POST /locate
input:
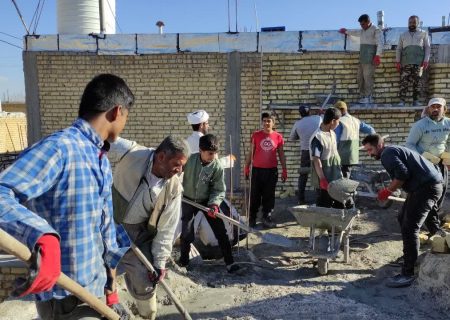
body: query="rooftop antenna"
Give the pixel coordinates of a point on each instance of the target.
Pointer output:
(236, 2)
(160, 26)
(256, 16)
(20, 16)
(229, 30)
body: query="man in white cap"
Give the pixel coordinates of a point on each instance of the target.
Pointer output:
(199, 122)
(429, 137)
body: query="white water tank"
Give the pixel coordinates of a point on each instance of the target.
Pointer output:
(83, 16)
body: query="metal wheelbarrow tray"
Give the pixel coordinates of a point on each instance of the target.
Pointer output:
(338, 222)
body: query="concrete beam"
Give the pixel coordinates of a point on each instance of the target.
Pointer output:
(30, 69)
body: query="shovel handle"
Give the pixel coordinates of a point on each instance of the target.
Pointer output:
(19, 250)
(163, 284)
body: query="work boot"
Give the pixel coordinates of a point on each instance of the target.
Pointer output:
(232, 268)
(183, 261)
(401, 103)
(364, 100)
(147, 308)
(268, 222)
(416, 103)
(400, 281)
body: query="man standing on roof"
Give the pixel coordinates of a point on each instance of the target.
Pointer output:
(429, 137)
(199, 122)
(369, 55)
(412, 57)
(303, 130)
(347, 136)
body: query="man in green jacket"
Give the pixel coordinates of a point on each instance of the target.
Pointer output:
(203, 182)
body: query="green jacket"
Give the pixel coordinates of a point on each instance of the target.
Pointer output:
(203, 184)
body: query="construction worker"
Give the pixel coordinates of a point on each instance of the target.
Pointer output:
(147, 203)
(303, 130)
(65, 181)
(370, 50)
(423, 183)
(412, 57)
(347, 136)
(204, 183)
(200, 126)
(429, 137)
(265, 145)
(326, 163)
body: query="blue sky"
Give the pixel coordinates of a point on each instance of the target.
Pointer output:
(196, 16)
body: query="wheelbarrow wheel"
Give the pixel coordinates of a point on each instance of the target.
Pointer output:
(322, 266)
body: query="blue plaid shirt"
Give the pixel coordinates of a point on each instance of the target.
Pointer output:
(62, 185)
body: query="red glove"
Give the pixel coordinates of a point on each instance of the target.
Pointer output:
(284, 175)
(323, 184)
(384, 194)
(213, 210)
(112, 301)
(398, 66)
(376, 60)
(425, 65)
(342, 30)
(46, 268)
(247, 172)
(158, 275)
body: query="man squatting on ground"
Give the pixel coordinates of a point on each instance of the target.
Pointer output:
(429, 137)
(147, 202)
(56, 199)
(204, 183)
(423, 183)
(200, 126)
(347, 136)
(370, 50)
(326, 163)
(412, 55)
(265, 145)
(303, 130)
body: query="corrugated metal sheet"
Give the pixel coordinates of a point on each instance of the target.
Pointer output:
(242, 42)
(391, 36)
(279, 41)
(157, 43)
(200, 42)
(322, 40)
(118, 44)
(440, 37)
(77, 43)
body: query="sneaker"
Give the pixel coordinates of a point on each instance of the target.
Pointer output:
(364, 100)
(401, 103)
(268, 222)
(400, 281)
(416, 103)
(232, 268)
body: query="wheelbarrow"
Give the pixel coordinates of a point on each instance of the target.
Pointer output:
(329, 228)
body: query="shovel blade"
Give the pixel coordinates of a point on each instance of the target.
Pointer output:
(277, 240)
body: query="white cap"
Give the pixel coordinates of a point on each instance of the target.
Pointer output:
(440, 101)
(198, 117)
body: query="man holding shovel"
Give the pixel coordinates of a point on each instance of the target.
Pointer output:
(147, 202)
(423, 182)
(204, 183)
(56, 199)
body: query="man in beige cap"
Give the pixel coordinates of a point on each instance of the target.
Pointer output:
(429, 137)
(199, 122)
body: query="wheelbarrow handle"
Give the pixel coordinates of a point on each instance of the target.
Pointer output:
(373, 196)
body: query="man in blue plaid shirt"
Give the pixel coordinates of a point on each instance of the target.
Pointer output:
(56, 199)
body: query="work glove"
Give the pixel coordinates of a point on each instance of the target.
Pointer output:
(247, 171)
(157, 275)
(112, 301)
(343, 30)
(425, 65)
(376, 60)
(384, 194)
(44, 269)
(284, 175)
(398, 66)
(323, 184)
(213, 211)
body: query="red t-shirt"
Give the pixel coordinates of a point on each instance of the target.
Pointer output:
(266, 145)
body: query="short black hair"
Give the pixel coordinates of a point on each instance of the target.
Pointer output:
(363, 18)
(209, 142)
(331, 114)
(304, 111)
(172, 145)
(267, 115)
(372, 139)
(102, 93)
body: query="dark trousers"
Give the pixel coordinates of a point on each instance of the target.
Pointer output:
(324, 200)
(305, 164)
(69, 308)
(432, 219)
(346, 170)
(415, 210)
(187, 233)
(263, 186)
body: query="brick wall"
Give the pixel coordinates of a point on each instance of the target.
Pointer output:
(13, 130)
(14, 107)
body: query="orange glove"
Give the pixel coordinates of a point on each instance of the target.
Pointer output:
(425, 65)
(342, 30)
(213, 211)
(398, 66)
(323, 184)
(376, 60)
(247, 172)
(284, 175)
(384, 194)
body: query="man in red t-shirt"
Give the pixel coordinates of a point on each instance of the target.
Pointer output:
(265, 144)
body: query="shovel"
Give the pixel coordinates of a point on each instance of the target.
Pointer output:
(19, 250)
(270, 238)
